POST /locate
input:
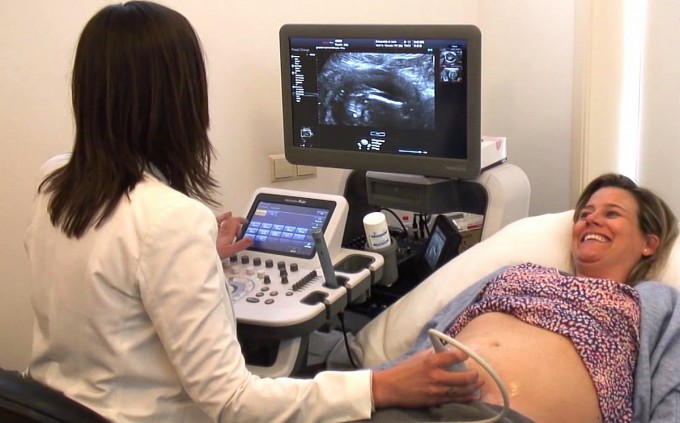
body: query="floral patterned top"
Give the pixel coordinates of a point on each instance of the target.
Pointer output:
(601, 317)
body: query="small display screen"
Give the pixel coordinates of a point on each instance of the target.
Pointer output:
(283, 225)
(443, 244)
(435, 247)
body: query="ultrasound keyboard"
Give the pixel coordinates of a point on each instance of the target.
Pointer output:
(288, 296)
(277, 285)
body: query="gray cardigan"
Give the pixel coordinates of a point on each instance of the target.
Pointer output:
(657, 378)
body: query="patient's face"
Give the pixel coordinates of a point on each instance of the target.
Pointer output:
(606, 239)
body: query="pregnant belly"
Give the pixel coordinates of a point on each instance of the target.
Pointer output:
(542, 371)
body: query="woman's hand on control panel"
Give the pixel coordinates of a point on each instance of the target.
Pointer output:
(229, 228)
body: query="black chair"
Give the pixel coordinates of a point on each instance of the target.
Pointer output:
(23, 400)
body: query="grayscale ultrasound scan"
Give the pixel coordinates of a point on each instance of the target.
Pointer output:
(384, 90)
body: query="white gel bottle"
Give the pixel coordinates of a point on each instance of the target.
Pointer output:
(377, 233)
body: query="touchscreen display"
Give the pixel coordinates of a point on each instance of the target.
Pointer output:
(283, 225)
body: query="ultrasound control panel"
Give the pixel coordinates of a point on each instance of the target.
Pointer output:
(277, 286)
(290, 297)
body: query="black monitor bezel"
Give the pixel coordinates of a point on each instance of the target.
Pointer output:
(441, 167)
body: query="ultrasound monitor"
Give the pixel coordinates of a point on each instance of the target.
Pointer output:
(386, 98)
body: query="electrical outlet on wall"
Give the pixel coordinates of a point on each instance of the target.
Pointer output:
(281, 169)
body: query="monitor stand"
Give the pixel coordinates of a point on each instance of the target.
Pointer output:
(501, 194)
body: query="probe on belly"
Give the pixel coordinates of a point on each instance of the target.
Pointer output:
(440, 342)
(440, 345)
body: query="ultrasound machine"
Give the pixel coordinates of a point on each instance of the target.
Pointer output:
(399, 107)
(282, 287)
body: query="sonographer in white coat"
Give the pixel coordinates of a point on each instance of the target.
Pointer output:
(133, 318)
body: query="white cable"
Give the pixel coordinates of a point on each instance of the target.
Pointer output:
(484, 364)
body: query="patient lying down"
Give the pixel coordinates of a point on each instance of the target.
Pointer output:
(573, 340)
(566, 346)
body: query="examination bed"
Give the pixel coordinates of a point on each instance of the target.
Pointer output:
(543, 240)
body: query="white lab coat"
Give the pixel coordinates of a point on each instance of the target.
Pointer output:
(134, 320)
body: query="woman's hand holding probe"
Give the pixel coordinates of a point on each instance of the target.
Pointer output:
(229, 228)
(425, 380)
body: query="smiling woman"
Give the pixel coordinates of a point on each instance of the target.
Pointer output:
(542, 329)
(621, 234)
(621, 231)
(607, 240)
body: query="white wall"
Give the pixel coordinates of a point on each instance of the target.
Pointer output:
(601, 67)
(660, 128)
(599, 91)
(527, 86)
(528, 68)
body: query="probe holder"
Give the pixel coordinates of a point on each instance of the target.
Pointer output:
(390, 269)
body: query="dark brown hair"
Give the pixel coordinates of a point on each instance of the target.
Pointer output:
(654, 218)
(140, 100)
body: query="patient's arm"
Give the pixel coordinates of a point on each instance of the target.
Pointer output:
(657, 379)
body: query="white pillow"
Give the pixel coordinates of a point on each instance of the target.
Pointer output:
(544, 239)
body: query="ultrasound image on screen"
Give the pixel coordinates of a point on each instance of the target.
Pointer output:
(385, 90)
